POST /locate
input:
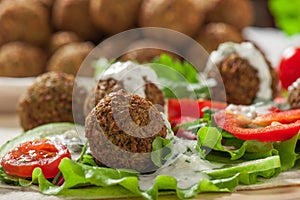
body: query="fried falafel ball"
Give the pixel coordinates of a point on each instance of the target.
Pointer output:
(48, 99)
(130, 77)
(120, 131)
(144, 51)
(47, 3)
(73, 15)
(294, 94)
(26, 21)
(62, 38)
(19, 59)
(242, 74)
(214, 34)
(69, 57)
(183, 16)
(115, 16)
(238, 13)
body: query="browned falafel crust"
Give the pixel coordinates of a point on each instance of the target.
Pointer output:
(294, 95)
(146, 50)
(118, 133)
(69, 57)
(240, 79)
(114, 16)
(62, 38)
(213, 34)
(48, 99)
(26, 21)
(170, 14)
(104, 87)
(238, 13)
(20, 59)
(73, 15)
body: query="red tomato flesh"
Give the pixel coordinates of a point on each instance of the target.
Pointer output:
(190, 108)
(42, 153)
(289, 67)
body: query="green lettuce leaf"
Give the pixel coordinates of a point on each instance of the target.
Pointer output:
(249, 171)
(211, 144)
(161, 149)
(182, 69)
(288, 152)
(86, 182)
(179, 79)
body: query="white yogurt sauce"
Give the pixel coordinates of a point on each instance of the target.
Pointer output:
(248, 111)
(185, 165)
(133, 76)
(247, 51)
(294, 85)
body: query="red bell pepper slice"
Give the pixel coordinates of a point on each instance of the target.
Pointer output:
(283, 117)
(278, 126)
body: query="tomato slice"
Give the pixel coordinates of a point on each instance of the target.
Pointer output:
(277, 126)
(190, 108)
(42, 153)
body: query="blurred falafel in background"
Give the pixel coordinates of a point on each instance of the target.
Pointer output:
(115, 16)
(68, 58)
(21, 59)
(52, 24)
(173, 14)
(24, 20)
(49, 99)
(214, 34)
(74, 15)
(238, 13)
(62, 38)
(146, 50)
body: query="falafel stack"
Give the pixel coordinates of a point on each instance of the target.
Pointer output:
(48, 25)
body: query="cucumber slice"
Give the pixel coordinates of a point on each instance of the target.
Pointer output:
(71, 135)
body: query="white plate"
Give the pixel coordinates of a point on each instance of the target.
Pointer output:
(11, 90)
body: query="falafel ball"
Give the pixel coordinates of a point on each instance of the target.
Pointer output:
(129, 76)
(48, 99)
(240, 81)
(19, 59)
(121, 129)
(144, 51)
(61, 38)
(24, 21)
(104, 87)
(242, 74)
(69, 57)
(238, 13)
(47, 3)
(73, 15)
(214, 34)
(294, 94)
(114, 16)
(183, 16)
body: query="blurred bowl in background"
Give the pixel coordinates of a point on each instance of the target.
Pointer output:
(11, 90)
